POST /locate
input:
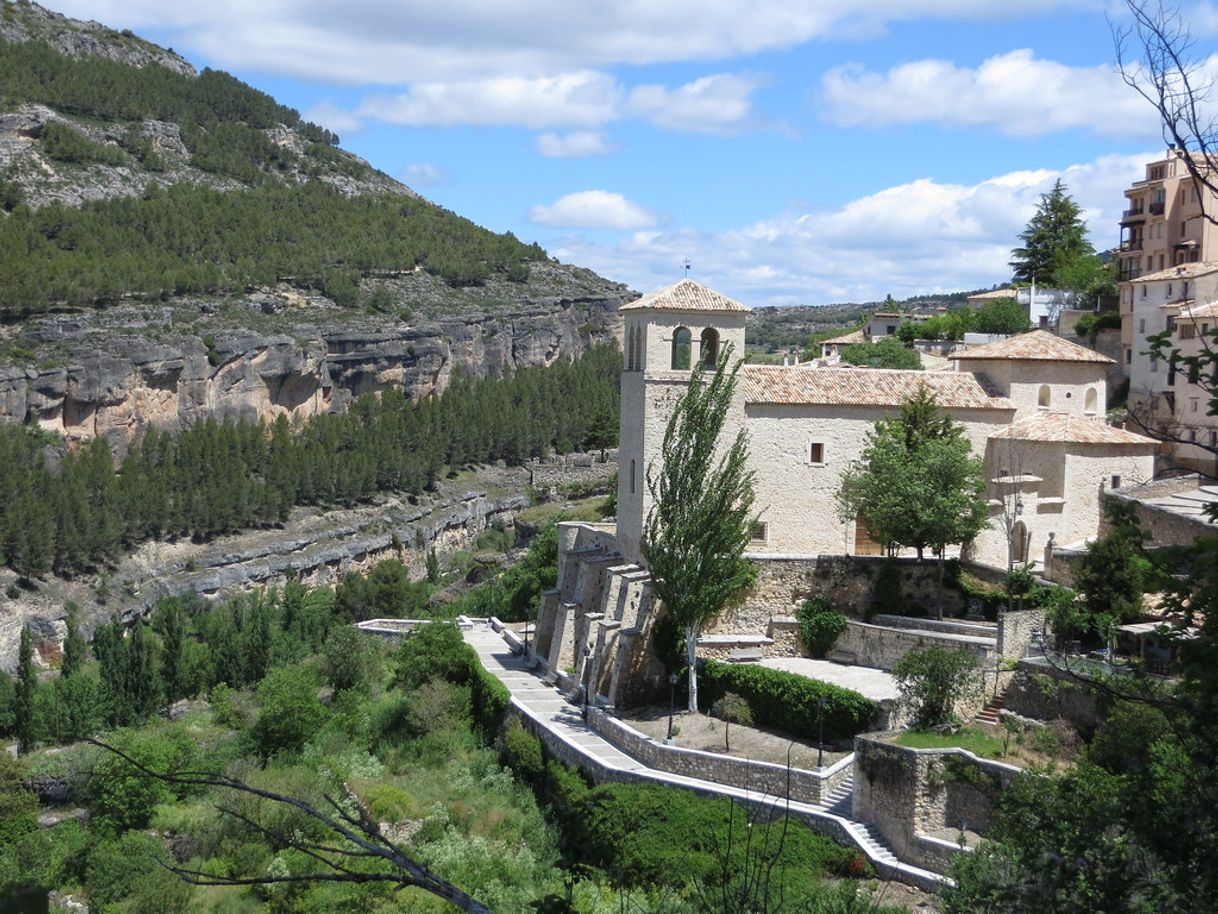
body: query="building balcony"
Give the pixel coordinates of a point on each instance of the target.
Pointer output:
(1128, 273)
(1156, 209)
(1133, 215)
(1131, 244)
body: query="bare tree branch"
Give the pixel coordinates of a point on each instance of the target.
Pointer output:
(369, 844)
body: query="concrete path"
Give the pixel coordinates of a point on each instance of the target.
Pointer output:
(871, 683)
(547, 708)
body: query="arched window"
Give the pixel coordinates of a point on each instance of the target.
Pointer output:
(1042, 399)
(710, 348)
(1092, 401)
(680, 349)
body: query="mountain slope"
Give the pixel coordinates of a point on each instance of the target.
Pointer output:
(175, 245)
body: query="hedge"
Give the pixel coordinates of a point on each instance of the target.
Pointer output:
(786, 701)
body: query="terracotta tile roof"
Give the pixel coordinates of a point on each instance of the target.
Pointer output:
(685, 295)
(856, 336)
(1037, 346)
(864, 387)
(1063, 427)
(1178, 303)
(1011, 292)
(1198, 311)
(1183, 271)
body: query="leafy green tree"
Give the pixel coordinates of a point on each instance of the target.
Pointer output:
(1089, 278)
(819, 626)
(887, 352)
(1001, 315)
(433, 567)
(27, 684)
(932, 680)
(918, 483)
(290, 712)
(348, 659)
(701, 516)
(732, 709)
(1112, 572)
(1055, 235)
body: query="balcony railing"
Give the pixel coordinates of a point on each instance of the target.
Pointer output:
(1137, 213)
(1127, 273)
(1156, 209)
(1132, 244)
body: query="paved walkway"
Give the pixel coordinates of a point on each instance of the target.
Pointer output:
(874, 684)
(546, 706)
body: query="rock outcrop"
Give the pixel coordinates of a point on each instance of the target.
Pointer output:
(113, 373)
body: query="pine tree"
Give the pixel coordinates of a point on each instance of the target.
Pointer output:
(1054, 236)
(701, 517)
(27, 684)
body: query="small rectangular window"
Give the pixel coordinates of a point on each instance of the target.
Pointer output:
(1116, 482)
(757, 533)
(1128, 356)
(1193, 408)
(1142, 325)
(817, 453)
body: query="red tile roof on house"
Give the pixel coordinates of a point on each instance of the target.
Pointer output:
(855, 336)
(685, 295)
(1180, 271)
(1037, 346)
(1070, 429)
(774, 384)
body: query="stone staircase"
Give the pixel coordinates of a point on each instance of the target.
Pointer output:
(989, 714)
(840, 798)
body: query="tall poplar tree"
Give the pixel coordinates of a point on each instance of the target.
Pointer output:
(701, 516)
(27, 683)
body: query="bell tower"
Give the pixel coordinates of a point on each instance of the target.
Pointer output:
(667, 334)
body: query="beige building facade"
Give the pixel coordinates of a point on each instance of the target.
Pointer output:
(1032, 406)
(1162, 227)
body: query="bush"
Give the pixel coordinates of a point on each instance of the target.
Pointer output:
(787, 702)
(932, 680)
(123, 798)
(437, 651)
(819, 626)
(289, 711)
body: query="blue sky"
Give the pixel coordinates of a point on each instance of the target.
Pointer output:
(831, 150)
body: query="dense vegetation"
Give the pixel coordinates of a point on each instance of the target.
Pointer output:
(197, 240)
(191, 239)
(70, 512)
(407, 735)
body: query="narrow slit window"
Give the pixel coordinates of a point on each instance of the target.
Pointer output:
(816, 453)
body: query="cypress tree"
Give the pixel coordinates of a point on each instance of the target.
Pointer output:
(73, 643)
(27, 684)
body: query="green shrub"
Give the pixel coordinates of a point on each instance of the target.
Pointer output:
(785, 701)
(437, 651)
(932, 680)
(819, 626)
(120, 796)
(522, 752)
(289, 711)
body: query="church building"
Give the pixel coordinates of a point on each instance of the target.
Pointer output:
(1033, 406)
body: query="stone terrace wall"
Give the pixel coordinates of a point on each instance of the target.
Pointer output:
(573, 470)
(847, 582)
(910, 793)
(1164, 527)
(1042, 692)
(758, 777)
(880, 647)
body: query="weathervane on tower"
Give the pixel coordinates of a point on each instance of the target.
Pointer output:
(685, 263)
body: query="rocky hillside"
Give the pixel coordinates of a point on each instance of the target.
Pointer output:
(148, 289)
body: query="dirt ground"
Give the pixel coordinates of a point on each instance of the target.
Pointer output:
(701, 731)
(899, 895)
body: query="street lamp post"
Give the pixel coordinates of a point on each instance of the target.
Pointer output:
(672, 692)
(820, 745)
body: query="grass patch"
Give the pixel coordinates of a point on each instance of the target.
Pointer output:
(589, 510)
(973, 739)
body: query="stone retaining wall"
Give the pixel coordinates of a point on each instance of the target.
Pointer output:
(766, 778)
(1043, 692)
(847, 582)
(881, 647)
(910, 793)
(825, 824)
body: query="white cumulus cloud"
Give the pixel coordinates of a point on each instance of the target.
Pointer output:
(574, 145)
(718, 104)
(400, 41)
(595, 209)
(583, 98)
(334, 118)
(1015, 92)
(921, 236)
(423, 174)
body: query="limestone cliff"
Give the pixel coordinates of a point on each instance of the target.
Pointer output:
(279, 351)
